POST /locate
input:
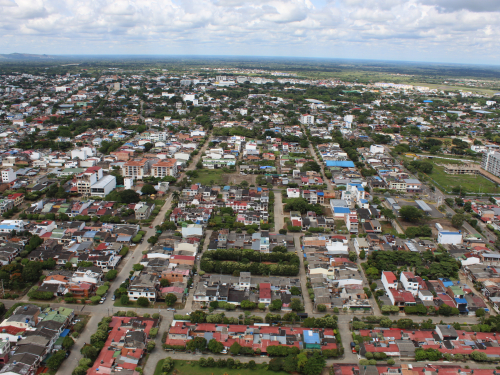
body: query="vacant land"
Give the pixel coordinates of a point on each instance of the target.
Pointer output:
(192, 368)
(209, 176)
(219, 177)
(445, 223)
(471, 183)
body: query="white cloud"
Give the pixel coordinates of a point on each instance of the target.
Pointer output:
(378, 29)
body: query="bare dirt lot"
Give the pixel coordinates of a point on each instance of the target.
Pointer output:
(236, 179)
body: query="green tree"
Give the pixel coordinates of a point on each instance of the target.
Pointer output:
(170, 299)
(276, 305)
(411, 213)
(198, 316)
(80, 370)
(148, 189)
(214, 346)
(91, 352)
(480, 313)
(235, 348)
(198, 343)
(478, 356)
(68, 342)
(296, 304)
(168, 365)
(56, 360)
(111, 275)
(457, 220)
(143, 301)
(124, 300)
(275, 364)
(32, 271)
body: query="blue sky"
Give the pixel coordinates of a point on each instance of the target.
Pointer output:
(458, 31)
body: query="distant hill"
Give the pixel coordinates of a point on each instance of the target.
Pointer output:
(25, 56)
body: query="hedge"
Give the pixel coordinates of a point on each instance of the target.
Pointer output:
(102, 290)
(123, 251)
(137, 238)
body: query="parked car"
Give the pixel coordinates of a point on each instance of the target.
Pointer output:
(102, 300)
(68, 353)
(353, 347)
(171, 309)
(113, 298)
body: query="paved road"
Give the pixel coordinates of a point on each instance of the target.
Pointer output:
(279, 216)
(308, 304)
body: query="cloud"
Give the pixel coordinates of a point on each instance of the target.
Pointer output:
(473, 6)
(456, 30)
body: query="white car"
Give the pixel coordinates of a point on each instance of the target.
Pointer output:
(102, 300)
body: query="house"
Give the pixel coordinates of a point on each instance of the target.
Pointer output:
(265, 293)
(143, 286)
(389, 280)
(409, 282)
(17, 198)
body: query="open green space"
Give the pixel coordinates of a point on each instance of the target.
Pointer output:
(192, 368)
(471, 183)
(209, 176)
(446, 182)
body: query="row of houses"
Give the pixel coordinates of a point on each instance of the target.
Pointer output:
(255, 337)
(30, 335)
(402, 343)
(411, 290)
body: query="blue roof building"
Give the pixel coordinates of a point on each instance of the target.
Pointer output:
(340, 163)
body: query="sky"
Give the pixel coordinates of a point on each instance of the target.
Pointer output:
(456, 31)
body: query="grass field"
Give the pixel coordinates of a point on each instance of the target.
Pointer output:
(471, 183)
(387, 228)
(186, 368)
(206, 176)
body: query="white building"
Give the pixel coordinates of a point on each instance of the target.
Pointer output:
(389, 281)
(103, 187)
(128, 182)
(361, 244)
(307, 119)
(409, 282)
(82, 153)
(192, 230)
(8, 175)
(377, 149)
(452, 238)
(491, 162)
(293, 193)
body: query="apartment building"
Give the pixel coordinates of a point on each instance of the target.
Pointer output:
(136, 168)
(85, 180)
(307, 119)
(491, 162)
(8, 175)
(165, 168)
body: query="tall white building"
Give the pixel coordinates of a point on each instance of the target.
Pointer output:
(8, 175)
(491, 162)
(307, 119)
